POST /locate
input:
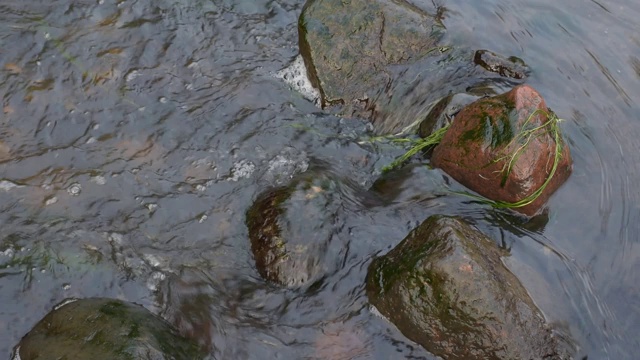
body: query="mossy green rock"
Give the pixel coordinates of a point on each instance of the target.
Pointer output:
(445, 287)
(104, 329)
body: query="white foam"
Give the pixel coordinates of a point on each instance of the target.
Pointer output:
(8, 185)
(285, 165)
(154, 280)
(116, 238)
(295, 75)
(16, 356)
(67, 301)
(242, 169)
(100, 180)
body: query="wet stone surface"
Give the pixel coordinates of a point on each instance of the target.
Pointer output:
(504, 148)
(445, 287)
(294, 230)
(370, 56)
(172, 117)
(98, 328)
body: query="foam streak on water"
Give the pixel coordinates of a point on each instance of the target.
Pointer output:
(295, 75)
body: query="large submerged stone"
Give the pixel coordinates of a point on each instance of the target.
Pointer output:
(499, 148)
(445, 287)
(292, 230)
(104, 329)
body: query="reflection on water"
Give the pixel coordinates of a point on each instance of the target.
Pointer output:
(135, 134)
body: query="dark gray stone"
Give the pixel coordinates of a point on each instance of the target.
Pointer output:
(445, 287)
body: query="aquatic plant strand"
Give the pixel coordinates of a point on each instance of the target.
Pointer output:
(552, 125)
(524, 136)
(431, 140)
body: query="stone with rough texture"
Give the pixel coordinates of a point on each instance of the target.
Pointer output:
(482, 139)
(349, 46)
(445, 287)
(104, 329)
(389, 61)
(292, 230)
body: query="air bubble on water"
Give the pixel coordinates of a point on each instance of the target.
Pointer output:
(295, 75)
(242, 169)
(74, 189)
(50, 201)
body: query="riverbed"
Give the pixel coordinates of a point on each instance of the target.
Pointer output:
(136, 134)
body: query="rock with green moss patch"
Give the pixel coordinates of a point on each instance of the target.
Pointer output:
(445, 287)
(104, 329)
(507, 148)
(293, 230)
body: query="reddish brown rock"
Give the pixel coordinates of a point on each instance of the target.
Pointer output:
(477, 149)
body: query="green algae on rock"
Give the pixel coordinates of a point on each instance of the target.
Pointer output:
(445, 287)
(104, 329)
(507, 148)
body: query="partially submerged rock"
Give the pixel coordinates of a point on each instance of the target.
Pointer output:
(346, 45)
(109, 329)
(443, 112)
(499, 148)
(445, 287)
(512, 67)
(350, 49)
(292, 230)
(387, 61)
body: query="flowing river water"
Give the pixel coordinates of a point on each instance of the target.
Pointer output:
(135, 134)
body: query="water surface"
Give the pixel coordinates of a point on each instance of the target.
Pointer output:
(135, 135)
